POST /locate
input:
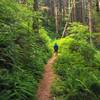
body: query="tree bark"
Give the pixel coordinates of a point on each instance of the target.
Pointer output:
(90, 15)
(56, 17)
(35, 24)
(35, 6)
(97, 5)
(90, 19)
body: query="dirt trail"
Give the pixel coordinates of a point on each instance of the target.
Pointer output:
(43, 92)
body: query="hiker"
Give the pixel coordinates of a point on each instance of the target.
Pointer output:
(56, 48)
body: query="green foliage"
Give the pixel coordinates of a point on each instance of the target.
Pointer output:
(77, 68)
(23, 53)
(96, 20)
(44, 35)
(77, 28)
(85, 50)
(96, 40)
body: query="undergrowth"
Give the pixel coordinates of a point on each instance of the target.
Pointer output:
(77, 67)
(23, 52)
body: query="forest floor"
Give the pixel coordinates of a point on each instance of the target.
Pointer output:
(44, 89)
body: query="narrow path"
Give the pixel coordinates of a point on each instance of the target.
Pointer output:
(43, 92)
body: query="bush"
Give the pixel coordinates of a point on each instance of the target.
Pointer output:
(21, 55)
(77, 28)
(76, 69)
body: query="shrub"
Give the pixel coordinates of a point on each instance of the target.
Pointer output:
(21, 55)
(76, 68)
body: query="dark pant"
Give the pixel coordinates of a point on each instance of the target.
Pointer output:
(56, 50)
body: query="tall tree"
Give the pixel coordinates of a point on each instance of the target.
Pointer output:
(56, 15)
(90, 15)
(35, 6)
(90, 19)
(98, 5)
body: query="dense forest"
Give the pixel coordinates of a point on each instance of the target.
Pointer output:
(28, 31)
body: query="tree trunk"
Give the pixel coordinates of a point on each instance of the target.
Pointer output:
(90, 15)
(35, 6)
(56, 16)
(90, 19)
(97, 5)
(35, 24)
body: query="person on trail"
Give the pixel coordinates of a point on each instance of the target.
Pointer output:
(56, 48)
